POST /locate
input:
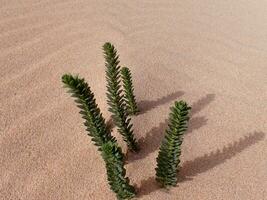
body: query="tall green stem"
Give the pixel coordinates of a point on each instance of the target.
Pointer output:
(170, 149)
(115, 97)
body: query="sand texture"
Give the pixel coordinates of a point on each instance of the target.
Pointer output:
(213, 54)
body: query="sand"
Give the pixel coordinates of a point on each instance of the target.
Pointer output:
(210, 53)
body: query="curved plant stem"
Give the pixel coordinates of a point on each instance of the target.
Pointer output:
(94, 121)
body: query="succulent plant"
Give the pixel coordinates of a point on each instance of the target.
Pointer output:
(94, 121)
(115, 97)
(116, 172)
(129, 98)
(170, 149)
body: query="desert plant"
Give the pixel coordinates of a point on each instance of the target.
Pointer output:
(94, 121)
(170, 149)
(116, 172)
(115, 97)
(121, 105)
(129, 97)
(101, 136)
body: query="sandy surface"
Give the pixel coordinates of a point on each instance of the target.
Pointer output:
(213, 54)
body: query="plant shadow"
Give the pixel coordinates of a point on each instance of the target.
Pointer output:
(208, 161)
(153, 138)
(151, 141)
(145, 106)
(201, 103)
(147, 186)
(204, 163)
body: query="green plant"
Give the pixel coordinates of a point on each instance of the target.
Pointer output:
(170, 149)
(129, 97)
(115, 97)
(120, 105)
(101, 136)
(116, 172)
(94, 121)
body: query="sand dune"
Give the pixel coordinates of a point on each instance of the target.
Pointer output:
(211, 54)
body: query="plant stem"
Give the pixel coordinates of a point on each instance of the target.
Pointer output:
(170, 149)
(131, 104)
(115, 98)
(116, 172)
(94, 121)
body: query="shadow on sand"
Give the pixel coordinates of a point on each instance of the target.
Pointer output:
(146, 106)
(153, 138)
(206, 162)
